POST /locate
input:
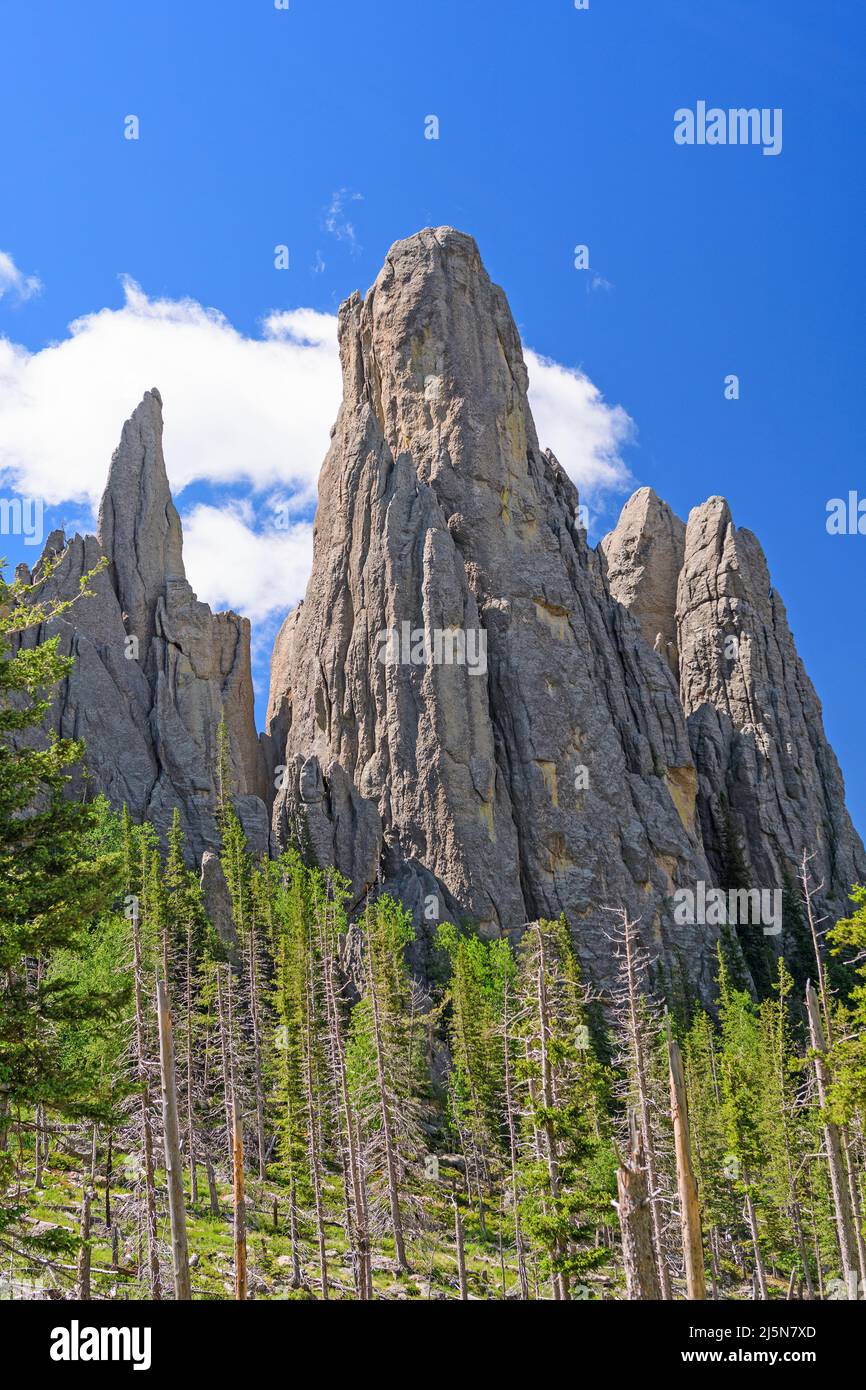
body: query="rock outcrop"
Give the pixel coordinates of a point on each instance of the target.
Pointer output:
(154, 668)
(465, 712)
(471, 708)
(769, 785)
(643, 559)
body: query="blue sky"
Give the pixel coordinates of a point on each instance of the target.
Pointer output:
(305, 127)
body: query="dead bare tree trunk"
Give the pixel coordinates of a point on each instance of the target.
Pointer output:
(512, 1147)
(37, 1171)
(39, 1114)
(253, 971)
(109, 1173)
(240, 1210)
(173, 1161)
(752, 1218)
(387, 1136)
(793, 1194)
(146, 1132)
(636, 1223)
(549, 1101)
(228, 1088)
(461, 1252)
(294, 1238)
(213, 1194)
(356, 1199)
(83, 1285)
(315, 1171)
(808, 890)
(854, 1199)
(190, 1100)
(832, 1142)
(690, 1215)
(640, 1076)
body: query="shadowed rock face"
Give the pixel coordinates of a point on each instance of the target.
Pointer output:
(766, 774)
(555, 775)
(149, 717)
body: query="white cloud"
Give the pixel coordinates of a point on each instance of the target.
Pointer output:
(598, 282)
(237, 409)
(252, 412)
(231, 564)
(15, 282)
(336, 220)
(573, 420)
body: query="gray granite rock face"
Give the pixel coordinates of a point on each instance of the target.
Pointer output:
(536, 759)
(218, 899)
(154, 668)
(767, 776)
(139, 528)
(643, 558)
(471, 708)
(755, 722)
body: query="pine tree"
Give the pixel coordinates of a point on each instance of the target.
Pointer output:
(563, 1203)
(383, 1062)
(300, 1010)
(709, 1139)
(475, 1093)
(784, 1133)
(848, 1095)
(52, 889)
(742, 1076)
(192, 945)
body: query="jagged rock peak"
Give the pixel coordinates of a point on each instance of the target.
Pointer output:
(769, 784)
(148, 709)
(644, 556)
(755, 721)
(547, 770)
(138, 527)
(434, 334)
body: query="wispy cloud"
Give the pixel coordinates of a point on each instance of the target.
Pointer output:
(14, 282)
(597, 282)
(337, 220)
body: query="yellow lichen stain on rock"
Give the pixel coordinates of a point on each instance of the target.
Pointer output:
(558, 857)
(548, 772)
(682, 783)
(485, 815)
(552, 616)
(667, 863)
(515, 429)
(417, 344)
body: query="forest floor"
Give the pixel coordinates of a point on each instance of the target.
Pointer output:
(491, 1272)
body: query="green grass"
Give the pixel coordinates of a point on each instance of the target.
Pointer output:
(431, 1253)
